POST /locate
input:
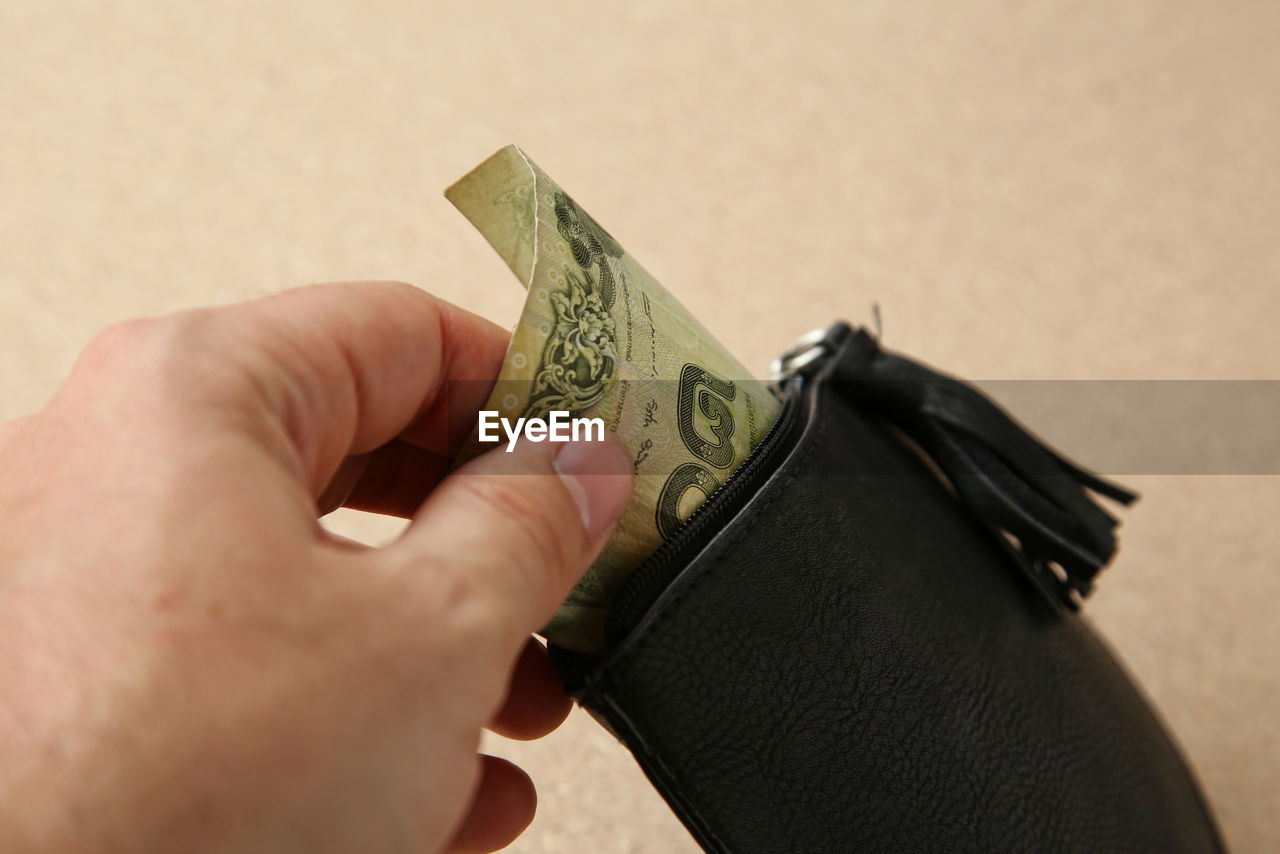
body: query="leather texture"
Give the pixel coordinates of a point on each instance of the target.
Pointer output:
(853, 664)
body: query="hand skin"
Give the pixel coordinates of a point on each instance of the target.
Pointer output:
(189, 662)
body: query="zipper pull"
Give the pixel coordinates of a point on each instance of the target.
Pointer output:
(807, 354)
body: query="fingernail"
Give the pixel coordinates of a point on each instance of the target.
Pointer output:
(598, 476)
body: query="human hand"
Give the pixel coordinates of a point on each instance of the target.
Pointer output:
(189, 662)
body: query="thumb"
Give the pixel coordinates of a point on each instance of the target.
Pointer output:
(524, 526)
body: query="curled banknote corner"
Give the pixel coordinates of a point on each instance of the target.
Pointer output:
(599, 337)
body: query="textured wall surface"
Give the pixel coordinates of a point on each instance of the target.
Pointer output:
(1058, 190)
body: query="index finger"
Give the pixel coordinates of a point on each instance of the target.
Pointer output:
(345, 368)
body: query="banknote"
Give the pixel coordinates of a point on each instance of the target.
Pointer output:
(599, 337)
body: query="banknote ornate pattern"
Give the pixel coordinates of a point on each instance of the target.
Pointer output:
(578, 360)
(589, 243)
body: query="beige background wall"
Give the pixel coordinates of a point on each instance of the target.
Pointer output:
(1079, 189)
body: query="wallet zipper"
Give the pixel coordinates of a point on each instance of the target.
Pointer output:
(661, 567)
(658, 570)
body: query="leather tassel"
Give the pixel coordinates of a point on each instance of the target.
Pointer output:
(1012, 481)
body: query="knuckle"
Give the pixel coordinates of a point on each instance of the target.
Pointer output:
(120, 342)
(462, 599)
(150, 371)
(199, 357)
(156, 344)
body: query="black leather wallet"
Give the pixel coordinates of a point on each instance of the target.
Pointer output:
(867, 639)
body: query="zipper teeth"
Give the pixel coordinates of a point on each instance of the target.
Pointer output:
(703, 516)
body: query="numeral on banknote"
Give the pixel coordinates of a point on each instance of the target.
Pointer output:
(711, 403)
(698, 388)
